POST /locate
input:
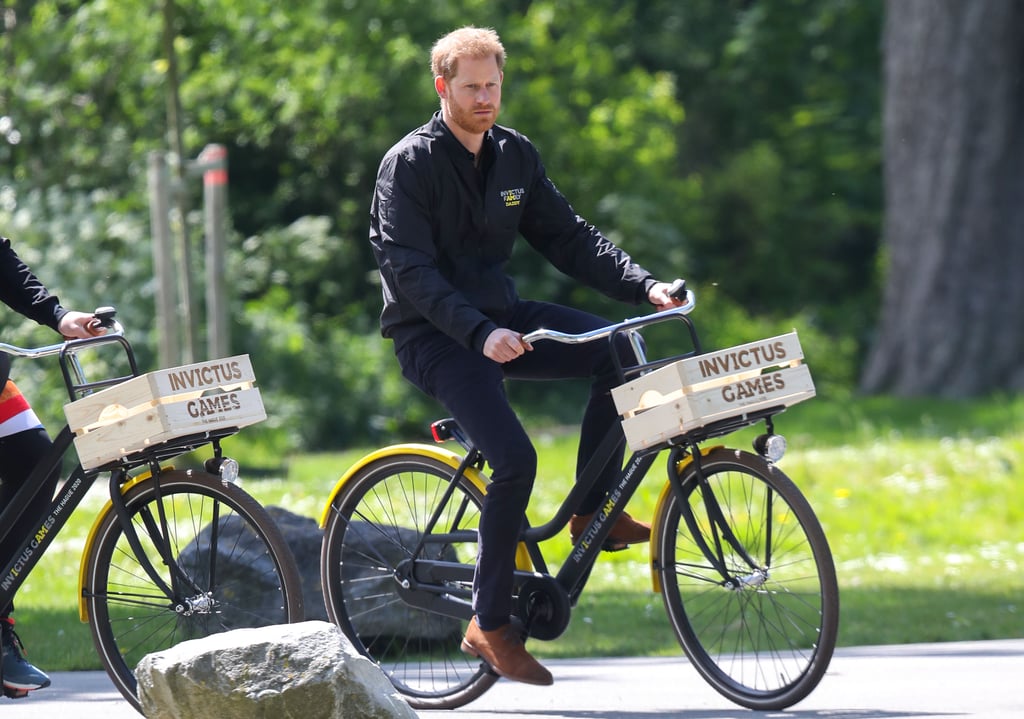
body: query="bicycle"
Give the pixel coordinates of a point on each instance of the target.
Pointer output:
(174, 554)
(742, 563)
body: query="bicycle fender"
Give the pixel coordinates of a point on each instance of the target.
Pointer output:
(83, 611)
(666, 494)
(426, 450)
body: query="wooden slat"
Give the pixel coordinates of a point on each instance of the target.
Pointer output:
(159, 406)
(783, 387)
(691, 393)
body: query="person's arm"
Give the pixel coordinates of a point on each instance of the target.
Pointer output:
(577, 248)
(23, 292)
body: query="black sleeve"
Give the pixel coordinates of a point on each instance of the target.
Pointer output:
(576, 247)
(407, 253)
(22, 291)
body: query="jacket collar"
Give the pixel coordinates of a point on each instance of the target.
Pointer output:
(438, 129)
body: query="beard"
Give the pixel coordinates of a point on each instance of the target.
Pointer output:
(466, 120)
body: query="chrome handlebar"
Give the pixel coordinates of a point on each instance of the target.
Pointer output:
(116, 330)
(602, 332)
(74, 375)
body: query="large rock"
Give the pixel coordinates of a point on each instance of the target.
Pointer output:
(307, 670)
(304, 538)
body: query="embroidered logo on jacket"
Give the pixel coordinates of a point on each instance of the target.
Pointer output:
(514, 197)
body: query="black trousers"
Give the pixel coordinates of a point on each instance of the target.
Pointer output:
(471, 388)
(19, 454)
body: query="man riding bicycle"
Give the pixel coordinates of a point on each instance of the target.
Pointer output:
(451, 199)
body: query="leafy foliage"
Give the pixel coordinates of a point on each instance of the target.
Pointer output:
(732, 143)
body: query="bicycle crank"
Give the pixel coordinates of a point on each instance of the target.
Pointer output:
(544, 606)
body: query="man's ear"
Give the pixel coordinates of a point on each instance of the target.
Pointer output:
(441, 86)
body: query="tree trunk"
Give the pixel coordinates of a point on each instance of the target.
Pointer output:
(951, 322)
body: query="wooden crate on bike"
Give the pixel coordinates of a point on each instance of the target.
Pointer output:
(159, 406)
(696, 391)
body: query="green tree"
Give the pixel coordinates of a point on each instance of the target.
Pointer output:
(781, 145)
(729, 142)
(950, 322)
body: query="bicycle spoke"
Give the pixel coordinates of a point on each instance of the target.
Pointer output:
(376, 524)
(749, 583)
(222, 552)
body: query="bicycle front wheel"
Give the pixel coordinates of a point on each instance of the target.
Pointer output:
(216, 561)
(748, 580)
(374, 524)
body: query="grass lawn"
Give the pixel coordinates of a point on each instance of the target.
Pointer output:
(921, 501)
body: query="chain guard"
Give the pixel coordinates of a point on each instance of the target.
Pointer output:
(544, 606)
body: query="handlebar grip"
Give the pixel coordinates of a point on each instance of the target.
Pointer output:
(105, 315)
(678, 290)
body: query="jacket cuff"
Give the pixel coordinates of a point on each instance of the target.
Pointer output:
(644, 288)
(480, 335)
(58, 315)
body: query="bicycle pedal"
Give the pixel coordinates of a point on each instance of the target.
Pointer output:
(613, 547)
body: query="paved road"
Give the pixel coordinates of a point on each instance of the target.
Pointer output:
(915, 681)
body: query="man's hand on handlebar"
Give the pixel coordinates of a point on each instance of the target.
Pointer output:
(504, 345)
(80, 325)
(660, 295)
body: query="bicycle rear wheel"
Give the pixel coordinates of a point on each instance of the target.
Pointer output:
(236, 570)
(374, 524)
(748, 581)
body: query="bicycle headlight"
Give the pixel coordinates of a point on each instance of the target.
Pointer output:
(229, 469)
(226, 467)
(770, 446)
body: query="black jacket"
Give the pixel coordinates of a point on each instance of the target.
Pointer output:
(443, 232)
(23, 292)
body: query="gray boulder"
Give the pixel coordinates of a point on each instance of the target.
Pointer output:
(307, 670)
(368, 556)
(304, 538)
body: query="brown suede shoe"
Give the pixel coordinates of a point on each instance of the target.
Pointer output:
(503, 649)
(625, 531)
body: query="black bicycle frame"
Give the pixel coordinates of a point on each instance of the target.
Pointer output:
(436, 579)
(32, 547)
(576, 569)
(73, 491)
(428, 583)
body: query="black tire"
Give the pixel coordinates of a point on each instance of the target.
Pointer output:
(252, 583)
(763, 638)
(373, 524)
